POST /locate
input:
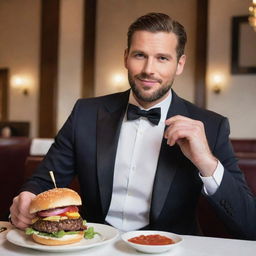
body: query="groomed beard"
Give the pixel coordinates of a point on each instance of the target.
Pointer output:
(155, 96)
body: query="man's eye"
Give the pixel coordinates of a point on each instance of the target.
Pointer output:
(139, 55)
(163, 58)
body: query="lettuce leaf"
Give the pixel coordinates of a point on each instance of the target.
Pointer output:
(88, 233)
(59, 234)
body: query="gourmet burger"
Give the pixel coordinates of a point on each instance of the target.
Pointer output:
(57, 220)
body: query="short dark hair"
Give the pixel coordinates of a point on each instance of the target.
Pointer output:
(159, 22)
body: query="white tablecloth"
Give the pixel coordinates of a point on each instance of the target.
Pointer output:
(191, 246)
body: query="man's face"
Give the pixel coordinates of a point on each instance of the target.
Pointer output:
(152, 65)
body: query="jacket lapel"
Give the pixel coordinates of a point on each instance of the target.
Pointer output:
(167, 163)
(109, 122)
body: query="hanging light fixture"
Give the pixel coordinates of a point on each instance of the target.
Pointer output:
(252, 15)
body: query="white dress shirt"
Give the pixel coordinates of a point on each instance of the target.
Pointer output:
(135, 166)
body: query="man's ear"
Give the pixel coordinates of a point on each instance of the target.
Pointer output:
(181, 63)
(126, 52)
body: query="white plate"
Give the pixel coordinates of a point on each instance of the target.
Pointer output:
(152, 248)
(107, 234)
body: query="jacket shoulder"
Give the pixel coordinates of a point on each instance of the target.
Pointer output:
(202, 114)
(114, 98)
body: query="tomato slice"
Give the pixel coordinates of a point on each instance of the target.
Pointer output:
(69, 209)
(57, 211)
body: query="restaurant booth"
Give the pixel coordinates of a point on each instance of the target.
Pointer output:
(17, 164)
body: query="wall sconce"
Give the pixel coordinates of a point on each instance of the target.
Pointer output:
(119, 81)
(21, 83)
(252, 15)
(217, 83)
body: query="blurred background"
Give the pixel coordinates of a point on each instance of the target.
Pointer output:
(53, 52)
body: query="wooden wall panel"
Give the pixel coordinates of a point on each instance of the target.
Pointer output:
(88, 82)
(50, 13)
(4, 84)
(201, 53)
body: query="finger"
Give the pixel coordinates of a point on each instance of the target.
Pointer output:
(194, 126)
(22, 218)
(179, 125)
(24, 201)
(175, 135)
(17, 222)
(18, 216)
(20, 206)
(24, 210)
(177, 118)
(14, 207)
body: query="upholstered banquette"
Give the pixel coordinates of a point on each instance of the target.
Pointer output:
(16, 164)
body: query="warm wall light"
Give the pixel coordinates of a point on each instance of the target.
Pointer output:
(119, 81)
(217, 80)
(252, 15)
(21, 83)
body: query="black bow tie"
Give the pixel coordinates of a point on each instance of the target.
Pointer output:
(153, 115)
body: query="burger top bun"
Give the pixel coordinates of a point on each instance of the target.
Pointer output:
(54, 198)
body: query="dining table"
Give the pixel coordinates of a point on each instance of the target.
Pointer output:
(190, 246)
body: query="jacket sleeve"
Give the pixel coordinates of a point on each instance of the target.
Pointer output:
(233, 201)
(59, 159)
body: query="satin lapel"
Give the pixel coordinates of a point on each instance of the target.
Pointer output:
(166, 167)
(108, 129)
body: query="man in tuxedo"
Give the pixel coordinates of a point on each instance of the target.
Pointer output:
(144, 156)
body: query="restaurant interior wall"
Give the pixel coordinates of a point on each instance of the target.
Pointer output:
(19, 51)
(237, 99)
(70, 57)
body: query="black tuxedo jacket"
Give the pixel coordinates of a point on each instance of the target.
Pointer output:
(86, 146)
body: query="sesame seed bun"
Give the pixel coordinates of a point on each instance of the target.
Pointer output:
(54, 198)
(67, 239)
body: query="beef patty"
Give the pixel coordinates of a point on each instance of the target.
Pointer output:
(55, 226)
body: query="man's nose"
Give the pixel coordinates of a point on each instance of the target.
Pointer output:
(149, 66)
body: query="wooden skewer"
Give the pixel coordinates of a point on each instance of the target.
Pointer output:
(53, 179)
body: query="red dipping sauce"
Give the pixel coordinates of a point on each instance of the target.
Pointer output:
(151, 240)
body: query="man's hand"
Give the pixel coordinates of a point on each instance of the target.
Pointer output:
(190, 135)
(20, 216)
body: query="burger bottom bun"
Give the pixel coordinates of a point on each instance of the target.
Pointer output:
(67, 239)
